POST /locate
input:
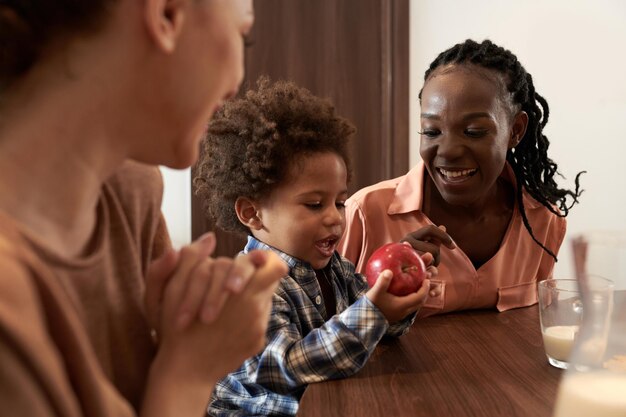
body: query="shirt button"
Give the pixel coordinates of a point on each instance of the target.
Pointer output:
(318, 300)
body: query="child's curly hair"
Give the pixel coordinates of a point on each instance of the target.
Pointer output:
(253, 141)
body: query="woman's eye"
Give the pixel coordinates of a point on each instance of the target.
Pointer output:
(429, 133)
(475, 133)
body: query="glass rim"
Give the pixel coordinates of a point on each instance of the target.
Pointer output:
(544, 284)
(603, 237)
(604, 284)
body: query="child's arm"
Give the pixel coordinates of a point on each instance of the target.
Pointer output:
(292, 360)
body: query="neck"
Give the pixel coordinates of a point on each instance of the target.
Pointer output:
(55, 153)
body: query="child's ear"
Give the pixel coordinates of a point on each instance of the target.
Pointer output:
(518, 129)
(247, 213)
(164, 21)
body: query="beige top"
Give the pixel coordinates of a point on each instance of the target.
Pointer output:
(73, 337)
(388, 211)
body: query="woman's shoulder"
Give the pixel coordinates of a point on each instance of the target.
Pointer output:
(395, 190)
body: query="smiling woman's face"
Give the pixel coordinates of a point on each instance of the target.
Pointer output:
(466, 131)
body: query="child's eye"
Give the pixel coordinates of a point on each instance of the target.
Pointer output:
(314, 206)
(340, 204)
(476, 133)
(429, 133)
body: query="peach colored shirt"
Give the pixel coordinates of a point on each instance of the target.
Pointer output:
(387, 211)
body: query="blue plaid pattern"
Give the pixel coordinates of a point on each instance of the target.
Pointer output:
(304, 345)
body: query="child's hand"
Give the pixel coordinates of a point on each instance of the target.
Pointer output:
(396, 308)
(429, 239)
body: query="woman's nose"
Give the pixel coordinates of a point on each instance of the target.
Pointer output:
(450, 147)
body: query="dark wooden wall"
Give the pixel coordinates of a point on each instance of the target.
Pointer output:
(354, 52)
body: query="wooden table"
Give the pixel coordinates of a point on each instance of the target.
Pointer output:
(479, 363)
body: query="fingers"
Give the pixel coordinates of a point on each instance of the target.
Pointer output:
(428, 259)
(189, 264)
(445, 238)
(159, 271)
(421, 245)
(382, 283)
(435, 290)
(217, 293)
(271, 268)
(412, 302)
(229, 277)
(422, 293)
(202, 277)
(432, 234)
(206, 244)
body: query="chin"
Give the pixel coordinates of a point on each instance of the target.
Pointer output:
(458, 200)
(320, 264)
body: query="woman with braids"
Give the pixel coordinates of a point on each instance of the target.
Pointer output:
(99, 317)
(483, 200)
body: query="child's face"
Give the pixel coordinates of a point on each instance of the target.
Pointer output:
(304, 217)
(466, 131)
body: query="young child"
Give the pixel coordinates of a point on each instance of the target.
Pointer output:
(278, 172)
(485, 179)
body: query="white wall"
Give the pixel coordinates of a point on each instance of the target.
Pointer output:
(176, 205)
(575, 50)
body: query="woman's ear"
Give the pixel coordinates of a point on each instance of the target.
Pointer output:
(518, 129)
(248, 214)
(164, 21)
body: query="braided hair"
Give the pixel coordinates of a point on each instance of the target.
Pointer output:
(532, 167)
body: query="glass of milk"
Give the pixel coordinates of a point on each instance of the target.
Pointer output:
(595, 383)
(560, 313)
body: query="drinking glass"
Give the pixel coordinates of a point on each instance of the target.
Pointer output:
(560, 313)
(595, 382)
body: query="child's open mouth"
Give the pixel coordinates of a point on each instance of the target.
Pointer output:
(327, 246)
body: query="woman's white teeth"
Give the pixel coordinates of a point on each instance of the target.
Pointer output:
(456, 174)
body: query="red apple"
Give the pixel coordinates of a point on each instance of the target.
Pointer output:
(403, 261)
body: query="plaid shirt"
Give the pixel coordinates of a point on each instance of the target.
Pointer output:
(303, 344)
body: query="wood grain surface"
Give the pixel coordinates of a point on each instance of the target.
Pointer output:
(480, 363)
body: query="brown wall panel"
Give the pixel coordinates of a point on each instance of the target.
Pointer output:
(354, 52)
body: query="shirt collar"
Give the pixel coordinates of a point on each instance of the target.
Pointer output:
(409, 193)
(254, 244)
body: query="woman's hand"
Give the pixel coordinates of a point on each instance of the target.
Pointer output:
(191, 359)
(429, 239)
(211, 281)
(213, 349)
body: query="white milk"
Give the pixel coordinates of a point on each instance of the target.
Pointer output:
(558, 341)
(594, 394)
